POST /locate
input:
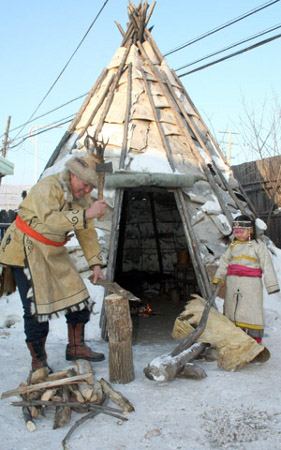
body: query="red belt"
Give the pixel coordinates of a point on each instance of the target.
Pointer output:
(243, 271)
(25, 228)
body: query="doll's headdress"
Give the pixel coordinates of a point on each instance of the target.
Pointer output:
(245, 222)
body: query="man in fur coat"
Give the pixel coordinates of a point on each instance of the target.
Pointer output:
(33, 246)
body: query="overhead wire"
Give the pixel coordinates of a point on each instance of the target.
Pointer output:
(221, 27)
(64, 121)
(239, 52)
(261, 33)
(49, 112)
(176, 70)
(64, 68)
(44, 129)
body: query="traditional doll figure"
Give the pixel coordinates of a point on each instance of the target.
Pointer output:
(243, 267)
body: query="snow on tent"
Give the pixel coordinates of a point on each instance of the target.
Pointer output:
(171, 195)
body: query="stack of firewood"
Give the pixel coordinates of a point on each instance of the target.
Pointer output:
(73, 389)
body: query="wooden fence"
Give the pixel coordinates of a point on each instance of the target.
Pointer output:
(261, 181)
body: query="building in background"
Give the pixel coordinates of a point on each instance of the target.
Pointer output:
(11, 196)
(261, 181)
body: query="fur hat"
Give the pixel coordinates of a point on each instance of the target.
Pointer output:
(84, 167)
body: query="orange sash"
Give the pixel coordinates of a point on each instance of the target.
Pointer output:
(25, 228)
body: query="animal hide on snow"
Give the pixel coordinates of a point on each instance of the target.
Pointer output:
(235, 348)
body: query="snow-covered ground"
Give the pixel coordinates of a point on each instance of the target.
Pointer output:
(226, 410)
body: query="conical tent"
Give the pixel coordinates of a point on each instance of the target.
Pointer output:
(171, 196)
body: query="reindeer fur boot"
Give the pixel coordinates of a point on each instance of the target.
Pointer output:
(76, 348)
(38, 354)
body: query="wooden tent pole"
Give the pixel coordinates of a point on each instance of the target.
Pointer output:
(172, 104)
(120, 28)
(127, 117)
(164, 142)
(154, 45)
(201, 142)
(138, 17)
(216, 147)
(201, 119)
(128, 35)
(113, 244)
(156, 233)
(111, 94)
(198, 156)
(95, 110)
(193, 127)
(193, 247)
(119, 195)
(76, 119)
(150, 12)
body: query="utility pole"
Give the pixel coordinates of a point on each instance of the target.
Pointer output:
(230, 133)
(6, 134)
(33, 136)
(34, 139)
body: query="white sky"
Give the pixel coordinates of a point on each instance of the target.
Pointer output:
(38, 39)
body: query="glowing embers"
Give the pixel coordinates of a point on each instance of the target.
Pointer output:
(144, 310)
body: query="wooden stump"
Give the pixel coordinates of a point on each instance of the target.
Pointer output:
(121, 368)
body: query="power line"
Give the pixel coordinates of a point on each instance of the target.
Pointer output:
(49, 112)
(64, 120)
(178, 69)
(44, 130)
(64, 68)
(262, 33)
(221, 27)
(266, 41)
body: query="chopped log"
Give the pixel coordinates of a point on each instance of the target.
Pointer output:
(76, 394)
(84, 366)
(48, 394)
(98, 395)
(116, 396)
(26, 412)
(34, 412)
(30, 425)
(46, 385)
(61, 374)
(63, 413)
(86, 389)
(36, 395)
(39, 375)
(121, 368)
(66, 403)
(192, 371)
(57, 398)
(166, 368)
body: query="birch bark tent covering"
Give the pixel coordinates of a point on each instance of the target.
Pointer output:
(139, 107)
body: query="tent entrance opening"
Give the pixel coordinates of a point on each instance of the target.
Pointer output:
(153, 261)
